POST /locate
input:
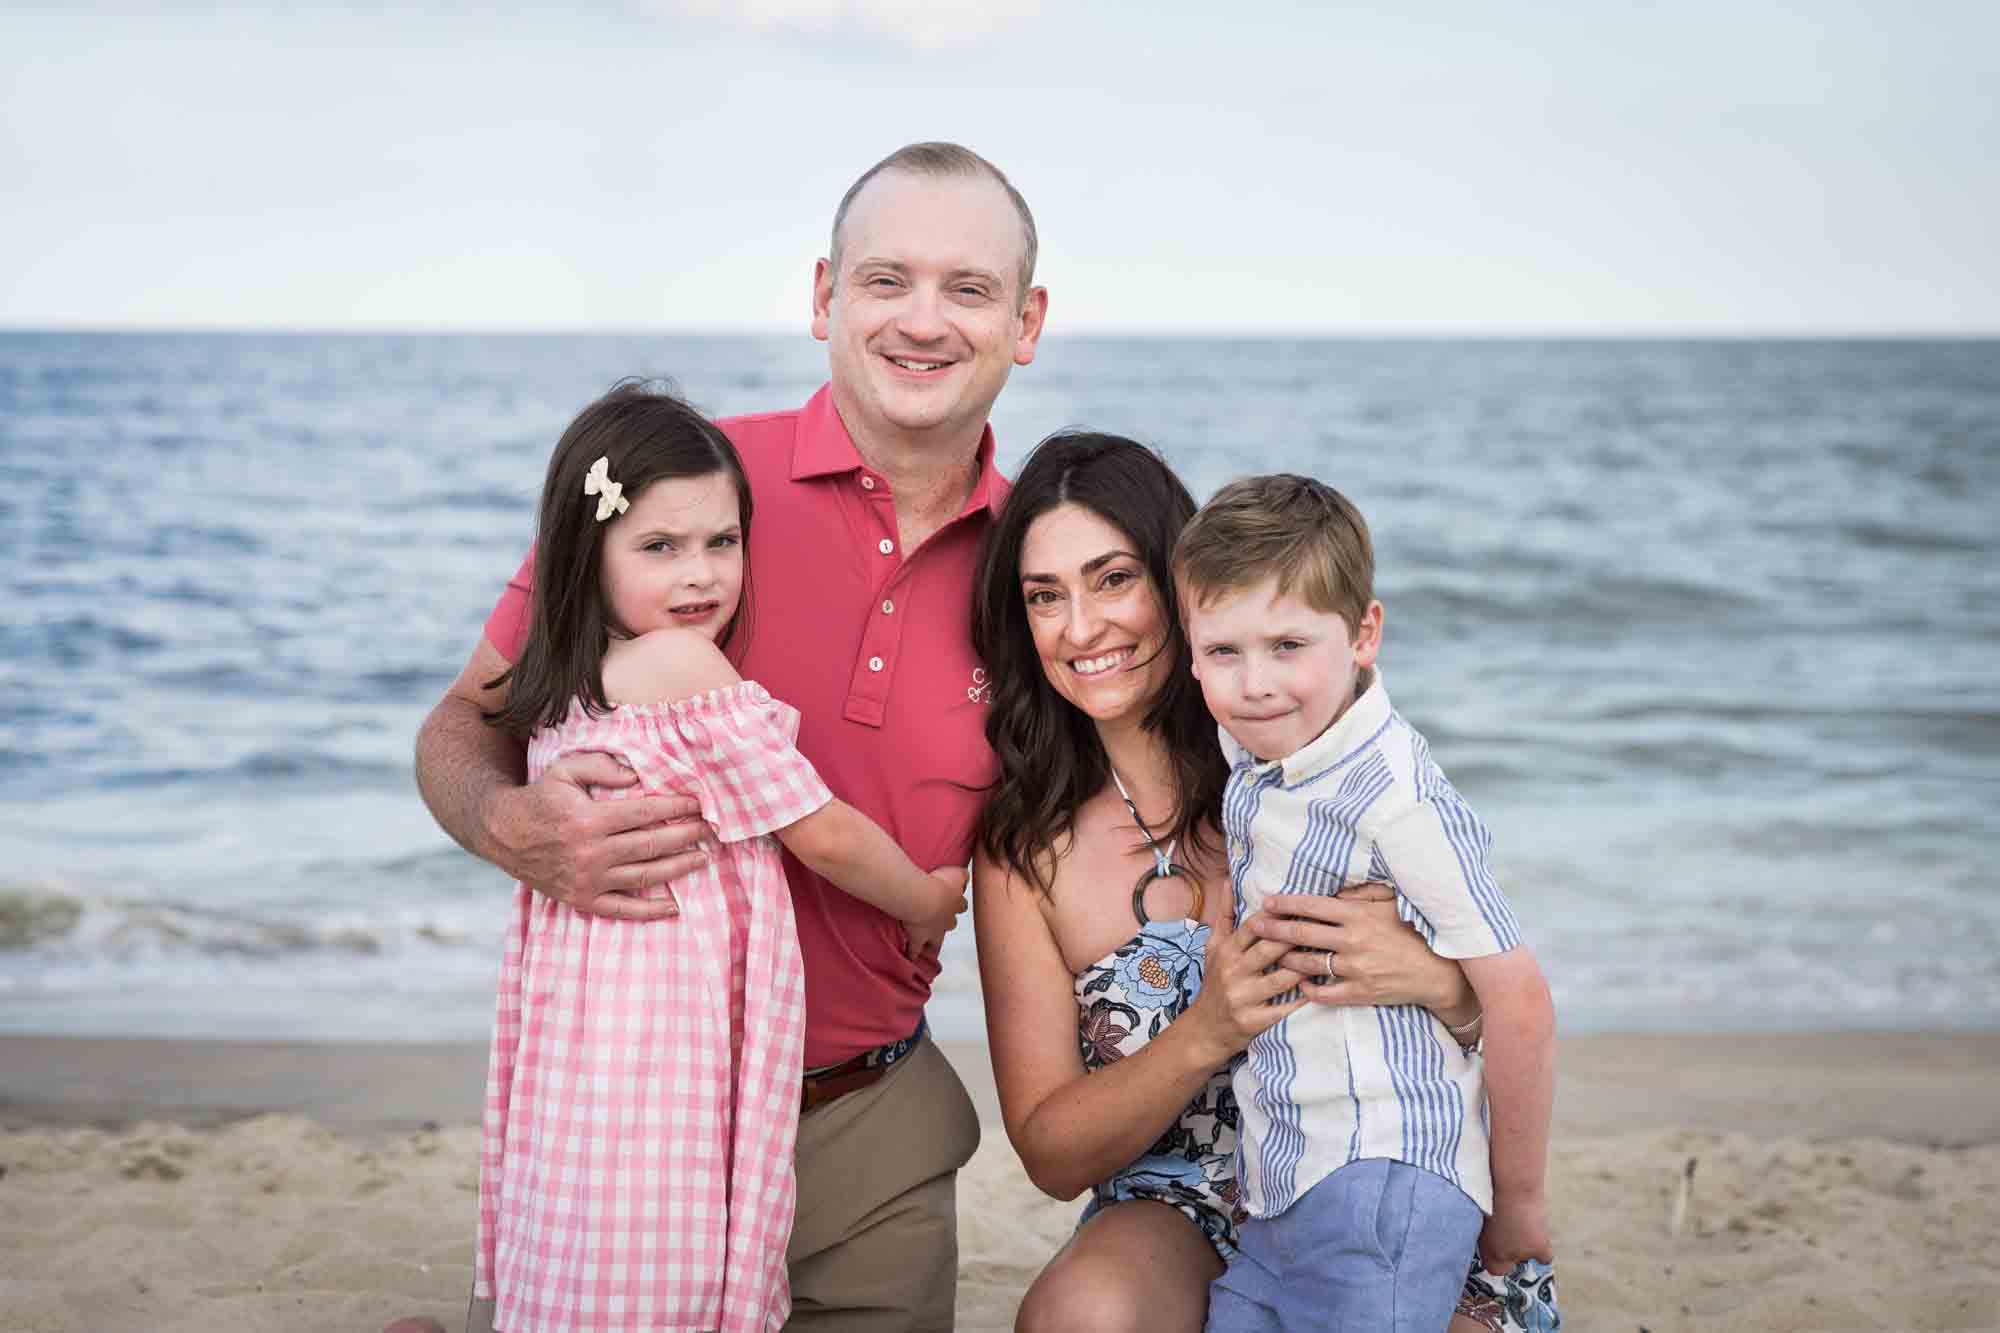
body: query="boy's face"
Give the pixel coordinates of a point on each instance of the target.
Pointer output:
(1275, 672)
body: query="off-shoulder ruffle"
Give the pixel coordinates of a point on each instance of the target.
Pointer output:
(732, 748)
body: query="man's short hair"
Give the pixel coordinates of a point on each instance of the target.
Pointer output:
(1303, 531)
(942, 160)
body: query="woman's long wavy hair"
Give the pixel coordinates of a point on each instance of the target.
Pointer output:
(1051, 760)
(648, 435)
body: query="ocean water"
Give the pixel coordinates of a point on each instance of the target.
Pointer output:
(1708, 631)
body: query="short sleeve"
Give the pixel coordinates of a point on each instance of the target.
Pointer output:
(739, 749)
(1438, 855)
(507, 624)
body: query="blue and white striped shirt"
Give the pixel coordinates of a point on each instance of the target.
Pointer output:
(1329, 1086)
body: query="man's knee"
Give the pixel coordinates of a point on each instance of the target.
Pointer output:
(897, 1269)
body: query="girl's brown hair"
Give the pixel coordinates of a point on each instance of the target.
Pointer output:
(647, 434)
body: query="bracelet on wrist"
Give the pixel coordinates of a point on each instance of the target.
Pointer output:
(1466, 1031)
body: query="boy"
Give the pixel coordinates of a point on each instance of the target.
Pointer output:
(1364, 1152)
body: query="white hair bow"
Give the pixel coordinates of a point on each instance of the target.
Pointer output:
(610, 495)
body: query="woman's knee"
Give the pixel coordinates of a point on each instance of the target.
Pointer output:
(1079, 1298)
(1096, 1292)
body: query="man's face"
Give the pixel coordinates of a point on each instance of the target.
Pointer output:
(925, 317)
(1274, 671)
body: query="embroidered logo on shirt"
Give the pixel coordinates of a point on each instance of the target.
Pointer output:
(979, 691)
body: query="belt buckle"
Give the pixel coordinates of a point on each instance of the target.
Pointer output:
(818, 1087)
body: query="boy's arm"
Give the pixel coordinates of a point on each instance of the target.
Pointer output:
(1520, 1095)
(1437, 851)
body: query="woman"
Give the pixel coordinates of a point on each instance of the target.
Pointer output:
(1116, 990)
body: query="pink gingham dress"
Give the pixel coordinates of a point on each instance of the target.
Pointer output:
(642, 1101)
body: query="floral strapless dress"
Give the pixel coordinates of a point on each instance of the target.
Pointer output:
(1127, 998)
(1123, 1001)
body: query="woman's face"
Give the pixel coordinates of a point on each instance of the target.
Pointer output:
(1099, 626)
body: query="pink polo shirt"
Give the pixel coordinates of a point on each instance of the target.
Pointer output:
(874, 648)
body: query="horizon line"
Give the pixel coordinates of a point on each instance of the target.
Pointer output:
(1244, 333)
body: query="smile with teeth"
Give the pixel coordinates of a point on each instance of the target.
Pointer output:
(1097, 666)
(694, 608)
(914, 363)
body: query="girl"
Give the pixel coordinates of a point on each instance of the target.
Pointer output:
(643, 1094)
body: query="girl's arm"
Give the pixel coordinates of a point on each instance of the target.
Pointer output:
(835, 840)
(1073, 1128)
(852, 850)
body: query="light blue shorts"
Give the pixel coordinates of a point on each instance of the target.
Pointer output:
(1376, 1245)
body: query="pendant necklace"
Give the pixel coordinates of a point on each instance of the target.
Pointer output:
(1163, 862)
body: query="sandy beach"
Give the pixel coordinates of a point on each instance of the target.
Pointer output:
(1840, 1182)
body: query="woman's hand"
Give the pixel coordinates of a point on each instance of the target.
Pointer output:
(1236, 993)
(1377, 958)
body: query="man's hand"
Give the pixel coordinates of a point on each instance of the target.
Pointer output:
(1518, 1229)
(927, 937)
(593, 856)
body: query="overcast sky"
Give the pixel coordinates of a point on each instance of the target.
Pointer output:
(1597, 166)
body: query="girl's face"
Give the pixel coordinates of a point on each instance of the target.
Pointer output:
(675, 558)
(1097, 619)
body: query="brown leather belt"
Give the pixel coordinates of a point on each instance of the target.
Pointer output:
(821, 1086)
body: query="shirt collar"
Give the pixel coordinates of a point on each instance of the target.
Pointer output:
(823, 448)
(1348, 736)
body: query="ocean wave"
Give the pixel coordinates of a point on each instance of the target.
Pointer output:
(74, 926)
(1879, 536)
(1588, 599)
(75, 640)
(261, 766)
(509, 500)
(1774, 709)
(401, 682)
(1784, 838)
(29, 917)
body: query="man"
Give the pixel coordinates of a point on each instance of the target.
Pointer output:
(871, 501)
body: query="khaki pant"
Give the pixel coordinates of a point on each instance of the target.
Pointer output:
(875, 1242)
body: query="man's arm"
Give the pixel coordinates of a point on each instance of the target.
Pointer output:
(549, 834)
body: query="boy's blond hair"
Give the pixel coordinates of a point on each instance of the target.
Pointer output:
(1307, 534)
